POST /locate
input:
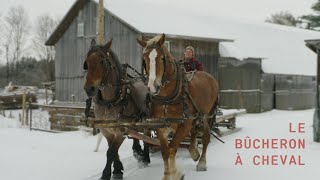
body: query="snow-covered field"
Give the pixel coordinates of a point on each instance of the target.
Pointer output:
(69, 156)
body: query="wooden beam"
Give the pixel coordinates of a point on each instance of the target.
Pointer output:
(142, 137)
(100, 23)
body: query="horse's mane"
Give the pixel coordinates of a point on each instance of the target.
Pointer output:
(117, 62)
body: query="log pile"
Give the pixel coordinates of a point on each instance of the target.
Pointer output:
(13, 100)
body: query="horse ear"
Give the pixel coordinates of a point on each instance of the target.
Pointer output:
(85, 66)
(162, 40)
(142, 42)
(108, 45)
(93, 42)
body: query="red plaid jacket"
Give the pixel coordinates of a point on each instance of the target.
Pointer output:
(193, 64)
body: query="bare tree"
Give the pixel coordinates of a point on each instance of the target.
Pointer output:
(7, 42)
(17, 21)
(45, 25)
(283, 18)
(1, 37)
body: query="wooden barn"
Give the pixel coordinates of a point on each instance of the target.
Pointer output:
(259, 66)
(268, 65)
(72, 41)
(314, 45)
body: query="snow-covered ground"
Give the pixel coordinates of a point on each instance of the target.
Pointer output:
(69, 156)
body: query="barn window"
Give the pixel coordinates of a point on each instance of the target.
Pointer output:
(167, 44)
(81, 29)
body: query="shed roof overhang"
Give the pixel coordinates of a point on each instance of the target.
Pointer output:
(313, 44)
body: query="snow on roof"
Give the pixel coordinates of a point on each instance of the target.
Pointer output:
(151, 18)
(282, 47)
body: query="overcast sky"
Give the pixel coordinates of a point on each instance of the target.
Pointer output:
(256, 10)
(249, 9)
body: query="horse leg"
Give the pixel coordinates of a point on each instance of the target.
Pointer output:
(146, 148)
(137, 151)
(112, 153)
(117, 169)
(193, 149)
(202, 164)
(180, 134)
(100, 135)
(162, 136)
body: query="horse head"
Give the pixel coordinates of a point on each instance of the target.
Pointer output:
(155, 57)
(100, 64)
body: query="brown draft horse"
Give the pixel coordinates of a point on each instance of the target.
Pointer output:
(166, 91)
(114, 99)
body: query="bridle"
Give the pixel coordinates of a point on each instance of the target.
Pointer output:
(175, 96)
(106, 63)
(165, 78)
(119, 96)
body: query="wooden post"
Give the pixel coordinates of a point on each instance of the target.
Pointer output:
(46, 91)
(316, 120)
(27, 113)
(100, 23)
(30, 108)
(23, 107)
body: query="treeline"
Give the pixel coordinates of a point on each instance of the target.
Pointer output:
(28, 72)
(309, 21)
(21, 38)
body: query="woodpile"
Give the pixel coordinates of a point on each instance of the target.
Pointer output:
(13, 100)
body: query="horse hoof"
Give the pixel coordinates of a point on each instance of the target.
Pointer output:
(142, 164)
(182, 177)
(138, 155)
(201, 168)
(146, 161)
(104, 178)
(178, 175)
(117, 176)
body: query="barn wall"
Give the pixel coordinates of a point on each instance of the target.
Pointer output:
(66, 66)
(267, 92)
(71, 50)
(294, 92)
(206, 52)
(239, 83)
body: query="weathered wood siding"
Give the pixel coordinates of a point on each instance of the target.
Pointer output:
(240, 84)
(294, 92)
(244, 85)
(71, 50)
(267, 92)
(206, 52)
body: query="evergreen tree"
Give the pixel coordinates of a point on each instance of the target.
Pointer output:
(313, 20)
